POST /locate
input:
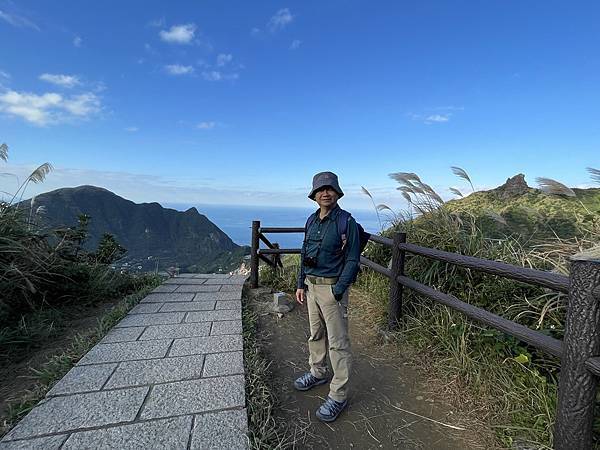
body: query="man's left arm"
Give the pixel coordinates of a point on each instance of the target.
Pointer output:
(351, 260)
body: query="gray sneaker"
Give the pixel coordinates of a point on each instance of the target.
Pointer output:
(331, 409)
(307, 381)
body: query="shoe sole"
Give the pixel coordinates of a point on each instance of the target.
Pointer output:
(319, 383)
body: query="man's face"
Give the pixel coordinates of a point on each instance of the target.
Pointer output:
(326, 196)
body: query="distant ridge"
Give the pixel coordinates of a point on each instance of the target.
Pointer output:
(171, 237)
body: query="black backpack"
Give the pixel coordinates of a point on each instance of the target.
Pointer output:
(342, 225)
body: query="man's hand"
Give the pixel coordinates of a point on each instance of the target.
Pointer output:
(338, 297)
(300, 296)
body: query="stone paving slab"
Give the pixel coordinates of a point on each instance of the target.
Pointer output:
(189, 306)
(171, 433)
(226, 327)
(146, 308)
(227, 281)
(210, 316)
(80, 411)
(195, 396)
(165, 288)
(230, 363)
(240, 278)
(229, 304)
(208, 344)
(160, 298)
(218, 296)
(137, 320)
(138, 373)
(122, 335)
(224, 430)
(180, 330)
(201, 288)
(83, 379)
(126, 351)
(43, 443)
(230, 287)
(179, 280)
(212, 275)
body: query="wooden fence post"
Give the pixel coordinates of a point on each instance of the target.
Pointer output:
(577, 386)
(254, 254)
(395, 307)
(276, 258)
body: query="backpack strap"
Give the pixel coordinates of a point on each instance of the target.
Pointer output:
(309, 222)
(342, 224)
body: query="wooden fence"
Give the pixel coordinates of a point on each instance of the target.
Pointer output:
(579, 352)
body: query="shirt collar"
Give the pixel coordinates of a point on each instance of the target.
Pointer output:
(332, 214)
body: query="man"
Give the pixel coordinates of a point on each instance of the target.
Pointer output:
(329, 263)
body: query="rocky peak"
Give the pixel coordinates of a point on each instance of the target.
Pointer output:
(513, 187)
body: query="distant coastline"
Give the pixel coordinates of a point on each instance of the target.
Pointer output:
(236, 220)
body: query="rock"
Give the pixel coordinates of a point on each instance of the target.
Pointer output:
(513, 187)
(282, 308)
(282, 303)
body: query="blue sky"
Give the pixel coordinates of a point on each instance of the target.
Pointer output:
(242, 102)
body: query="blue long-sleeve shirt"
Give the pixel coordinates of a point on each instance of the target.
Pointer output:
(332, 260)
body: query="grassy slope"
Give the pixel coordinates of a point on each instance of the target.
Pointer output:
(534, 214)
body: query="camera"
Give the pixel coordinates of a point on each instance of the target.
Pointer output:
(310, 261)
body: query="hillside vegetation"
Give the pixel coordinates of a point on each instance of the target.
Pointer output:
(153, 235)
(517, 209)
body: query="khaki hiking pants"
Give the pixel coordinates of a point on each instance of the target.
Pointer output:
(328, 321)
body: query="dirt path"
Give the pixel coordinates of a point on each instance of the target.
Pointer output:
(385, 399)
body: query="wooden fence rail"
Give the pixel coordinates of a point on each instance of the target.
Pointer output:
(579, 352)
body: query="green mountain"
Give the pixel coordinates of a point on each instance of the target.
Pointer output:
(516, 208)
(151, 234)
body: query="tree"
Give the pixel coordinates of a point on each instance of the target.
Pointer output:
(109, 250)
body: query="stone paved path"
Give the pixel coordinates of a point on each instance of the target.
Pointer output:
(169, 375)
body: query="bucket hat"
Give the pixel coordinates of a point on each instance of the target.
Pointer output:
(325, 179)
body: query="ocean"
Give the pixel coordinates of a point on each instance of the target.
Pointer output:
(236, 221)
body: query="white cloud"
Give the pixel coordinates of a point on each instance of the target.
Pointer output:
(280, 20)
(17, 21)
(215, 75)
(206, 125)
(179, 34)
(77, 41)
(178, 69)
(132, 129)
(140, 187)
(82, 105)
(295, 44)
(4, 75)
(437, 118)
(255, 31)
(223, 59)
(438, 114)
(67, 81)
(49, 108)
